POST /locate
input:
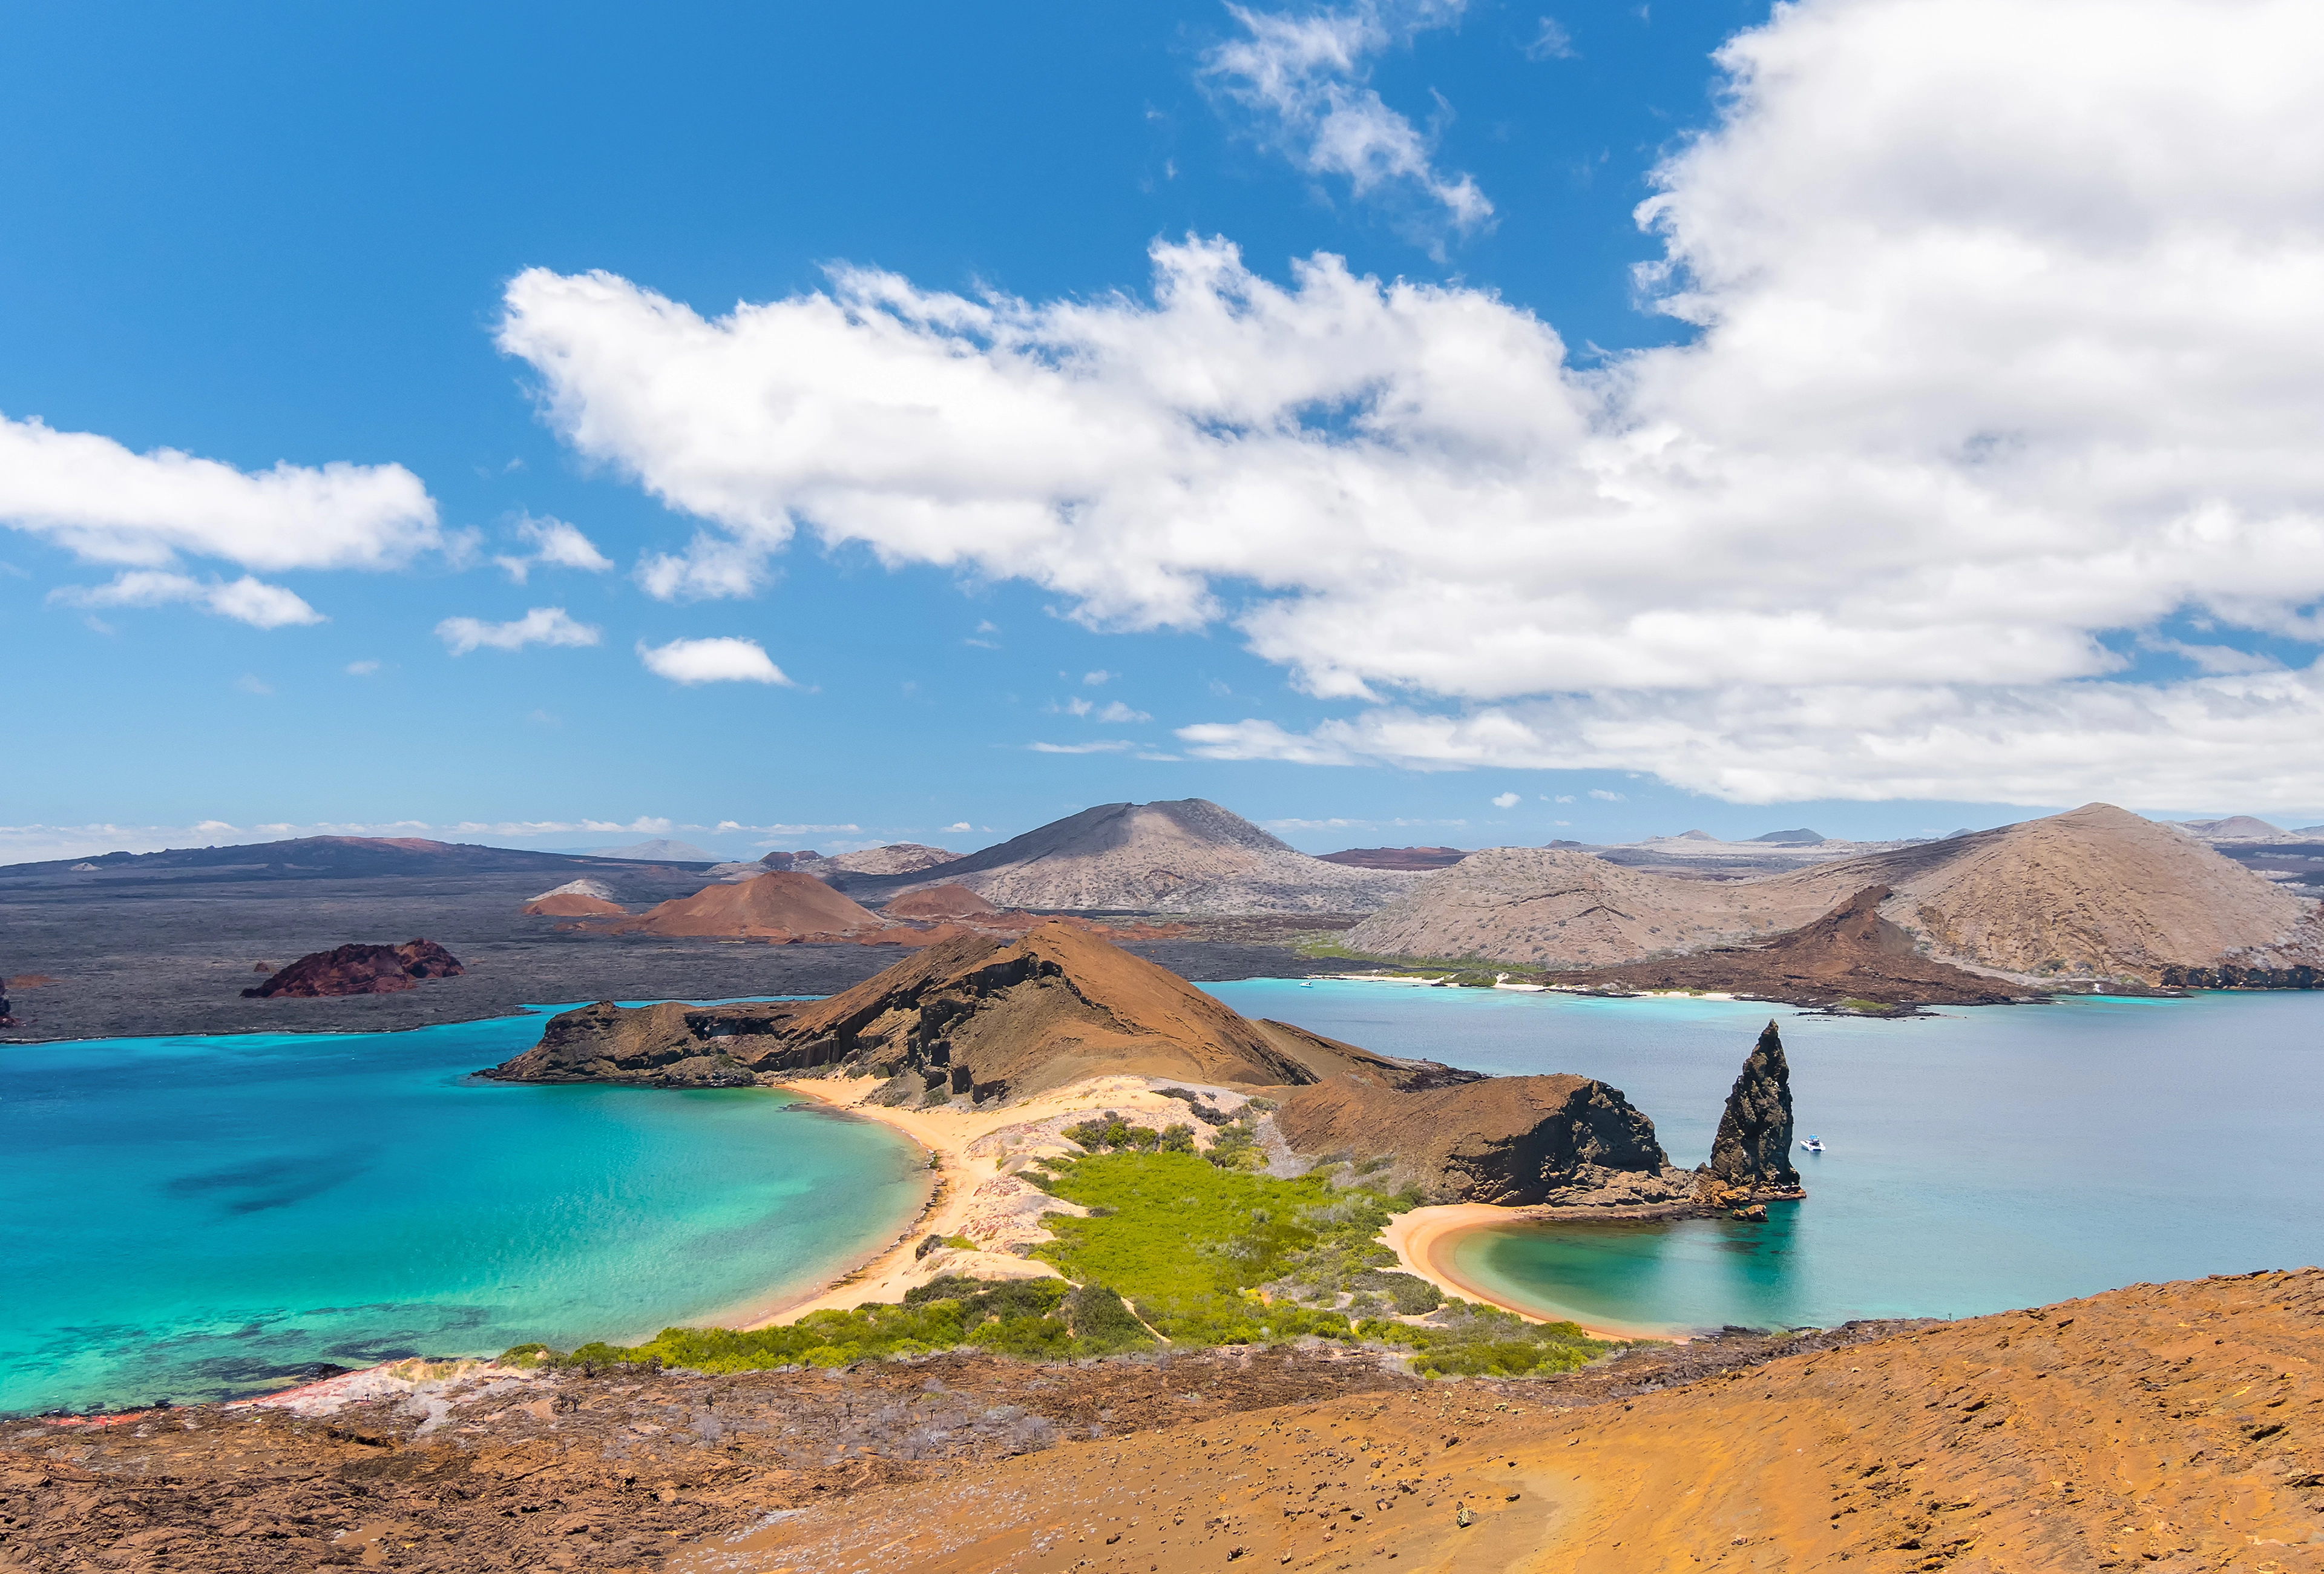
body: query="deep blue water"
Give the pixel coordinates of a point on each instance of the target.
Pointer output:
(1980, 1158)
(198, 1217)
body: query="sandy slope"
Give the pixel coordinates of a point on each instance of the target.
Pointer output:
(2169, 1428)
(2096, 892)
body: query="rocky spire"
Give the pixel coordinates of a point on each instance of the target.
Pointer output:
(1754, 1150)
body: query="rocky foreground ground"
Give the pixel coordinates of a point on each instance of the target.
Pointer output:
(2168, 1428)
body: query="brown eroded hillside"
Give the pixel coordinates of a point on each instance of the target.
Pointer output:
(2096, 892)
(2174, 1428)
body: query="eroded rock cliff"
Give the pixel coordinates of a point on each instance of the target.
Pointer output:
(1751, 1157)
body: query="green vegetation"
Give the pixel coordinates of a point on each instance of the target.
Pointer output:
(1115, 1132)
(1196, 1247)
(1469, 1341)
(1043, 1319)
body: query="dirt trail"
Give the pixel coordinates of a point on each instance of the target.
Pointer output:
(2169, 1428)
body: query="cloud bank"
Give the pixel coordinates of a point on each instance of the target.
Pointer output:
(1976, 400)
(104, 504)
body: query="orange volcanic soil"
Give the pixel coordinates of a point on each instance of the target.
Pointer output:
(2171, 1428)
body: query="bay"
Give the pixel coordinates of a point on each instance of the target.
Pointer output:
(203, 1218)
(1979, 1158)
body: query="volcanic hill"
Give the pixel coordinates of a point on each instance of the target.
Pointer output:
(2096, 893)
(775, 906)
(360, 970)
(1189, 856)
(1002, 1019)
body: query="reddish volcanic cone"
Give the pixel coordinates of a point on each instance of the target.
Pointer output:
(784, 906)
(940, 902)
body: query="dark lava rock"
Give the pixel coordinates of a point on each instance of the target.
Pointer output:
(1753, 1151)
(670, 1045)
(361, 969)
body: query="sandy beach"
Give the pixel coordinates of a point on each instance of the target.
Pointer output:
(1422, 1240)
(976, 1193)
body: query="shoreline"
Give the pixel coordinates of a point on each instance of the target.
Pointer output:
(1421, 1240)
(975, 1191)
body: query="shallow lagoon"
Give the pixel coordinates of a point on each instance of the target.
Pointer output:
(1980, 1159)
(200, 1217)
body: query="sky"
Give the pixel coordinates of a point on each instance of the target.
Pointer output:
(1428, 422)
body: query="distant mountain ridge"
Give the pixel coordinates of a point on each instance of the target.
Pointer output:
(1187, 856)
(329, 856)
(2094, 893)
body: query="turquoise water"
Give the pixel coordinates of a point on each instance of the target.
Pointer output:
(200, 1217)
(1980, 1158)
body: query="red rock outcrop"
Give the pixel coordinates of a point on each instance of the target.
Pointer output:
(361, 969)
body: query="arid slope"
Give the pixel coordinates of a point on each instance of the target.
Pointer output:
(2173, 1428)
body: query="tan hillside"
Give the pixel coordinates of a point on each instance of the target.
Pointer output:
(2098, 891)
(1189, 856)
(775, 906)
(1005, 1018)
(1555, 908)
(2095, 892)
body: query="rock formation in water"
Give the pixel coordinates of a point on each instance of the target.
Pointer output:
(360, 970)
(1751, 1158)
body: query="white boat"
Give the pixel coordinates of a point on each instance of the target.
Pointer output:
(1813, 1143)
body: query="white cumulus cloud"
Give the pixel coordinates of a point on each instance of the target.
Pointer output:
(724, 660)
(554, 543)
(1301, 77)
(104, 503)
(1507, 800)
(1978, 401)
(248, 599)
(543, 626)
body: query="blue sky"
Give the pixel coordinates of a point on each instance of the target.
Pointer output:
(321, 237)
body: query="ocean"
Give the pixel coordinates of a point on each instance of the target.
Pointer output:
(1979, 1158)
(206, 1218)
(203, 1218)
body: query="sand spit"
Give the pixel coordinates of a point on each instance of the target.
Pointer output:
(2161, 1427)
